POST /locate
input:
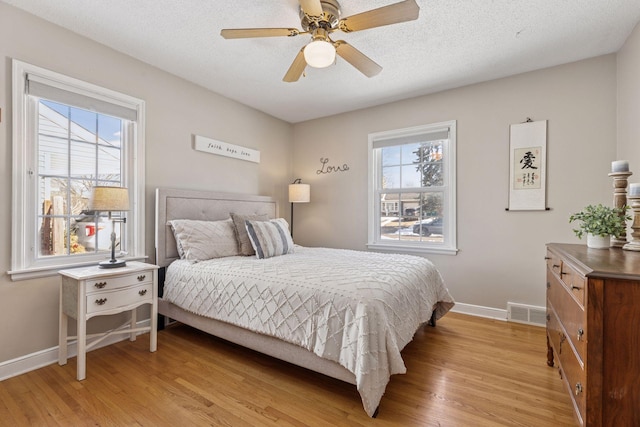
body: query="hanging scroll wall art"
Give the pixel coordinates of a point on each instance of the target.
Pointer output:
(528, 166)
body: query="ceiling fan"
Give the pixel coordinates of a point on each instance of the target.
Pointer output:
(320, 18)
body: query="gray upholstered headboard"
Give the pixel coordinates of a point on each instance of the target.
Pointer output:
(200, 205)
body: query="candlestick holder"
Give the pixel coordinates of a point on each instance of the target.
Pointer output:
(634, 243)
(620, 181)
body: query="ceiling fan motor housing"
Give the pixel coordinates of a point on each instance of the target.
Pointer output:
(328, 20)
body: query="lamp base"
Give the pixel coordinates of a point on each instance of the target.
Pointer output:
(112, 263)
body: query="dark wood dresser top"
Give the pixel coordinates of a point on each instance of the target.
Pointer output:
(612, 262)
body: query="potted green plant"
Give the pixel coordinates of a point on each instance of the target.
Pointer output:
(600, 223)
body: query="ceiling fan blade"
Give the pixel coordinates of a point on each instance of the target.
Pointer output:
(406, 10)
(356, 58)
(241, 33)
(311, 7)
(296, 69)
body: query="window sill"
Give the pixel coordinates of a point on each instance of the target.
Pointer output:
(417, 250)
(35, 273)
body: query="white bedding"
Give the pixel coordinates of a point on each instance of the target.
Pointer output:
(358, 309)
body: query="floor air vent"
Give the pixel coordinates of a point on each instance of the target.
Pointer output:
(529, 314)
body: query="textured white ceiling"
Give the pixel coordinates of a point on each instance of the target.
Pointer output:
(453, 43)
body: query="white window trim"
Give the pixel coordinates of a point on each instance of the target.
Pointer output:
(450, 245)
(23, 263)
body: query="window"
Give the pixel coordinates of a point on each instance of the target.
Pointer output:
(69, 136)
(412, 189)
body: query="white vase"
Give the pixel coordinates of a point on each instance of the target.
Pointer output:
(598, 242)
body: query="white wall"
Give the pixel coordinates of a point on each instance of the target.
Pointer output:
(629, 103)
(501, 253)
(176, 110)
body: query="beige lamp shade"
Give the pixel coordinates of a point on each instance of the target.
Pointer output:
(299, 193)
(109, 199)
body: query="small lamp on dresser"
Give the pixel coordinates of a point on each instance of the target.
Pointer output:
(110, 199)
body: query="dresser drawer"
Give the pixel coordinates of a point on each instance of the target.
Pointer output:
(109, 300)
(554, 263)
(574, 282)
(571, 314)
(571, 369)
(118, 282)
(568, 276)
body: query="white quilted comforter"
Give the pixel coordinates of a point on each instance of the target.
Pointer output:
(358, 309)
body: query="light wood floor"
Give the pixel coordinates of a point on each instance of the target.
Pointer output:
(467, 371)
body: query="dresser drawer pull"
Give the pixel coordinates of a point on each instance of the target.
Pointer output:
(575, 288)
(562, 273)
(556, 265)
(100, 285)
(547, 258)
(548, 317)
(141, 277)
(101, 301)
(563, 338)
(142, 292)
(548, 285)
(580, 334)
(578, 389)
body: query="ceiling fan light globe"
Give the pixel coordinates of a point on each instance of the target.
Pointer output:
(319, 54)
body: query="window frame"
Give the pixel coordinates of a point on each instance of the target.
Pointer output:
(25, 261)
(375, 242)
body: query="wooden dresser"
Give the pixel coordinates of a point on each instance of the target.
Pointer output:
(593, 331)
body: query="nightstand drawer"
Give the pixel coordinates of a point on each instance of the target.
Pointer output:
(118, 282)
(109, 300)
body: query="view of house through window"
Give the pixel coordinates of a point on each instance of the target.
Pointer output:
(407, 214)
(70, 136)
(77, 149)
(412, 197)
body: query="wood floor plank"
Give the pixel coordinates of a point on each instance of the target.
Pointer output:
(467, 371)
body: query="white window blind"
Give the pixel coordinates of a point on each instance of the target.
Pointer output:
(52, 90)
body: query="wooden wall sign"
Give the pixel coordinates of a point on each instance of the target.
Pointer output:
(220, 148)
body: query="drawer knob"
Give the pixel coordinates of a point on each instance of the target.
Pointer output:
(548, 317)
(580, 334)
(556, 265)
(100, 285)
(141, 277)
(562, 273)
(142, 292)
(575, 288)
(547, 258)
(578, 389)
(548, 285)
(101, 301)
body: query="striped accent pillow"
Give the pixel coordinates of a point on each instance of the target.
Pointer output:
(270, 238)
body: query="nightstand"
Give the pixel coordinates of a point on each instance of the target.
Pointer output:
(92, 291)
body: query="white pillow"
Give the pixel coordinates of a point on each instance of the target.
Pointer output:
(244, 244)
(270, 238)
(202, 240)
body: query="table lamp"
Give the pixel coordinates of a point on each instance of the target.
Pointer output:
(110, 199)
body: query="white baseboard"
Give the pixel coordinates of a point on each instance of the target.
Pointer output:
(33, 361)
(480, 311)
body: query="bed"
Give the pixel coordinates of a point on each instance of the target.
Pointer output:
(345, 314)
